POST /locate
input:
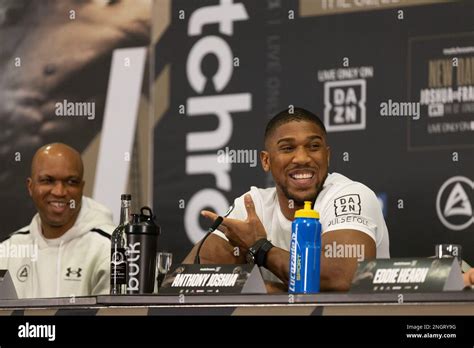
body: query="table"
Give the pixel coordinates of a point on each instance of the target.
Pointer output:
(456, 303)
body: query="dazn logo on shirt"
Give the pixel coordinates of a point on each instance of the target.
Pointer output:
(348, 204)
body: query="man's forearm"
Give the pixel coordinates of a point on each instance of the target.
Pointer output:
(278, 262)
(336, 274)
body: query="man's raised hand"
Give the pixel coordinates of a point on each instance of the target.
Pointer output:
(242, 234)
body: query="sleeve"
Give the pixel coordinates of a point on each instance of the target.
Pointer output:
(101, 277)
(354, 207)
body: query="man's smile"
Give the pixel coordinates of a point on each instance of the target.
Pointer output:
(302, 178)
(58, 206)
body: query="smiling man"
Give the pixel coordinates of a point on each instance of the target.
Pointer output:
(69, 236)
(259, 228)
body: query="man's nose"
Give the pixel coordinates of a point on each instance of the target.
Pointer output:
(301, 155)
(59, 188)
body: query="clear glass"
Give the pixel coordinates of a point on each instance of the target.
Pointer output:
(163, 264)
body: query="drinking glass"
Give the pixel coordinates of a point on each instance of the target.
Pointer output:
(163, 265)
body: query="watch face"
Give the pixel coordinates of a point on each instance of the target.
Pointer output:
(250, 258)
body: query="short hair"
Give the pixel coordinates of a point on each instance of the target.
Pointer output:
(297, 114)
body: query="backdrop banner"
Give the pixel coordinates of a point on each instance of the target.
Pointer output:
(394, 84)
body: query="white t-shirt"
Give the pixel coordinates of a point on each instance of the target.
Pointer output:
(342, 204)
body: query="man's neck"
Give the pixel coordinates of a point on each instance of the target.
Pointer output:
(53, 232)
(287, 207)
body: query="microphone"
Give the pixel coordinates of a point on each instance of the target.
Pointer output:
(211, 229)
(215, 224)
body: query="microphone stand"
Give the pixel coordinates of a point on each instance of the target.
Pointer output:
(211, 229)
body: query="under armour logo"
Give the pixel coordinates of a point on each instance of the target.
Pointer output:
(70, 271)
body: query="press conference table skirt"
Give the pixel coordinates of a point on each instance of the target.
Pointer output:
(327, 304)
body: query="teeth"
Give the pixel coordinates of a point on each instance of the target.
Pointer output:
(302, 176)
(58, 204)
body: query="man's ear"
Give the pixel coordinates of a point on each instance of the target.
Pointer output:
(29, 185)
(265, 159)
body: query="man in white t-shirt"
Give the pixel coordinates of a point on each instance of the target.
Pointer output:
(259, 227)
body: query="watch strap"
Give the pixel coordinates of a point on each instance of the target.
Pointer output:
(261, 259)
(259, 251)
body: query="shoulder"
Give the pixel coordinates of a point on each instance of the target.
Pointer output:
(102, 232)
(95, 241)
(100, 235)
(341, 188)
(260, 196)
(343, 197)
(262, 199)
(265, 195)
(22, 233)
(97, 220)
(259, 193)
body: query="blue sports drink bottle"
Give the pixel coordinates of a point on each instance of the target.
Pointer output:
(305, 251)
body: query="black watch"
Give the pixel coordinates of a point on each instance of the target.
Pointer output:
(257, 253)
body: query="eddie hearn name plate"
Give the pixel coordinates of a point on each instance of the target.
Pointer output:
(408, 275)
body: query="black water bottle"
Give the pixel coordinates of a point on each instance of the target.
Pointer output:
(142, 237)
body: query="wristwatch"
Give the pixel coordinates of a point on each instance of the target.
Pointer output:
(257, 253)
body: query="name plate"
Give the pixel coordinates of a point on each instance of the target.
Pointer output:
(213, 279)
(407, 275)
(7, 288)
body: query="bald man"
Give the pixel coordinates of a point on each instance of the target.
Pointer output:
(65, 250)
